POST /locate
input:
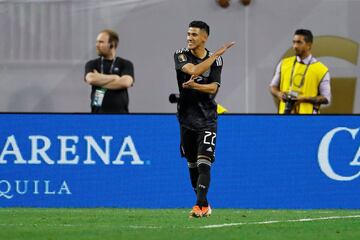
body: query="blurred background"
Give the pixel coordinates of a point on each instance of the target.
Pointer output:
(45, 44)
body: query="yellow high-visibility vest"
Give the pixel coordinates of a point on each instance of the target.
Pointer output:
(305, 85)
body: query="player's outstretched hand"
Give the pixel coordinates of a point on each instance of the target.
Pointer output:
(223, 49)
(190, 83)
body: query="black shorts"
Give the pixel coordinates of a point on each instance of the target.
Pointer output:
(196, 143)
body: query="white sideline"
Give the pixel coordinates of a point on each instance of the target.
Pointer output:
(278, 221)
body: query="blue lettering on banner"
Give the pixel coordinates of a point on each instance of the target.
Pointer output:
(263, 161)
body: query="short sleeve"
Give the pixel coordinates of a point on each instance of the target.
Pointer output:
(325, 88)
(128, 69)
(275, 81)
(180, 59)
(215, 76)
(89, 67)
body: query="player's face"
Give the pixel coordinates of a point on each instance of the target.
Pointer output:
(301, 47)
(195, 38)
(102, 44)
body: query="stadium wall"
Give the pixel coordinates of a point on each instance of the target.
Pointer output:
(133, 161)
(45, 44)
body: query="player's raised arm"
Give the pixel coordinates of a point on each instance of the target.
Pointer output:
(202, 67)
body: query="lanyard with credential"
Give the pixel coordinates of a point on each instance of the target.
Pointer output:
(111, 67)
(100, 92)
(303, 76)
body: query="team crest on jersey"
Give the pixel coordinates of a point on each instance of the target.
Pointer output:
(182, 58)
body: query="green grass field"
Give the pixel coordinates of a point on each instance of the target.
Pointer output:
(173, 224)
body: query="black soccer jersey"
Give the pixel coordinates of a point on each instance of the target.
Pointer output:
(196, 110)
(115, 101)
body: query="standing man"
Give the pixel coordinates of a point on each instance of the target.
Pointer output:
(199, 76)
(301, 83)
(109, 76)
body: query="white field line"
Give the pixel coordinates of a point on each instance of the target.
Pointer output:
(201, 227)
(279, 221)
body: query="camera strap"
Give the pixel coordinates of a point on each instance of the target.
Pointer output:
(303, 76)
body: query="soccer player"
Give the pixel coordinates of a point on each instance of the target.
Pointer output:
(199, 77)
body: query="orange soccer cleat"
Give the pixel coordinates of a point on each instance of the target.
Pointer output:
(206, 211)
(196, 212)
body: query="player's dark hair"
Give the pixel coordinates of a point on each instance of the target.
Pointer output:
(113, 37)
(200, 24)
(308, 36)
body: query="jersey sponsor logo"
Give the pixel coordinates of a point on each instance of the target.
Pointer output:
(326, 163)
(182, 58)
